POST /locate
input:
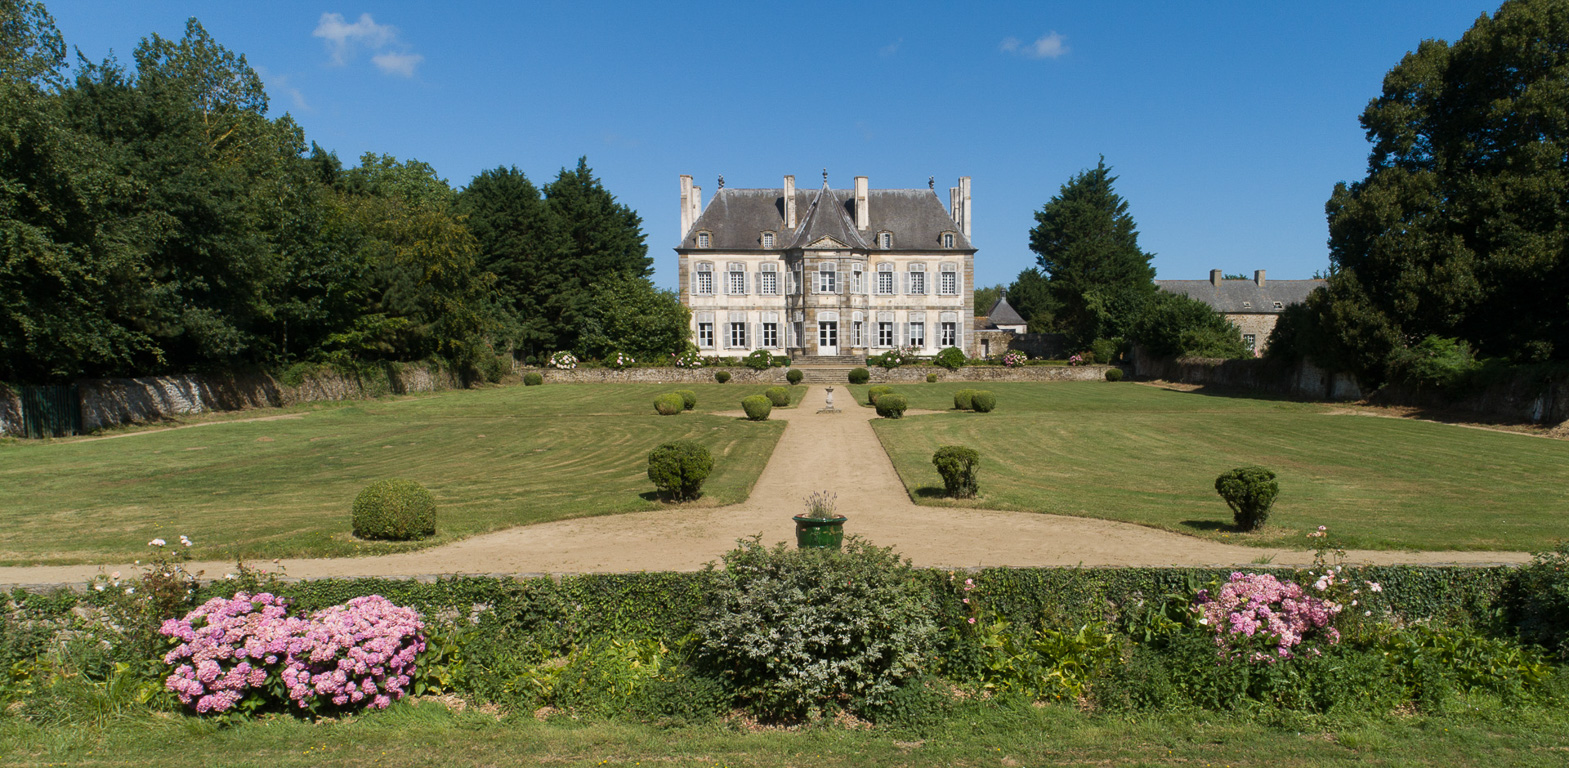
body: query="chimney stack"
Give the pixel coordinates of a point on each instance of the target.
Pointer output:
(1214, 277)
(697, 204)
(789, 202)
(1258, 277)
(964, 205)
(863, 217)
(686, 204)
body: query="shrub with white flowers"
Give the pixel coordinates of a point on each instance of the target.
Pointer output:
(565, 361)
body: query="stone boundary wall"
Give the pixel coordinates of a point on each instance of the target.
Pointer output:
(1300, 380)
(914, 373)
(1525, 397)
(740, 375)
(10, 411)
(743, 375)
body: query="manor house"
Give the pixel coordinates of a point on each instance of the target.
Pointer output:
(831, 273)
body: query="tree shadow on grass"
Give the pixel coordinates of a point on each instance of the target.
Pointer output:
(1211, 525)
(931, 492)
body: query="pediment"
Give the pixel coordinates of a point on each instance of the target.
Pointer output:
(826, 242)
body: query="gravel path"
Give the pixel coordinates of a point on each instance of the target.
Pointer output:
(836, 452)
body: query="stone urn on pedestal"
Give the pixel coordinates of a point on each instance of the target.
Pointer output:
(820, 527)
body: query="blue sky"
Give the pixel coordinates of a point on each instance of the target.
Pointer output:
(1227, 123)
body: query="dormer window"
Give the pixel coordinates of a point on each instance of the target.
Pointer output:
(703, 239)
(1247, 305)
(885, 240)
(1279, 305)
(768, 240)
(947, 239)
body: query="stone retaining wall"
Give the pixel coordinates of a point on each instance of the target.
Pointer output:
(10, 411)
(1299, 380)
(912, 373)
(741, 375)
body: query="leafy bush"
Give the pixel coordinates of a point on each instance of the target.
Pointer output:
(1435, 363)
(721, 376)
(860, 375)
(1250, 492)
(1106, 350)
(951, 358)
(1174, 325)
(798, 632)
(602, 677)
(394, 509)
(891, 359)
(779, 396)
(957, 465)
(532, 379)
(669, 404)
(1259, 618)
(878, 391)
(931, 378)
(565, 361)
(681, 697)
(757, 407)
(759, 360)
(688, 398)
(1538, 601)
(964, 399)
(1114, 374)
(794, 376)
(983, 401)
(891, 406)
(679, 468)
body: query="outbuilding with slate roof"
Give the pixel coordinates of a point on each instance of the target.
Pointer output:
(1254, 306)
(830, 273)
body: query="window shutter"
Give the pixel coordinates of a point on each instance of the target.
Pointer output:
(757, 336)
(839, 281)
(903, 336)
(905, 279)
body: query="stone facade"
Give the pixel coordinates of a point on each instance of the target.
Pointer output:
(739, 375)
(833, 273)
(1254, 306)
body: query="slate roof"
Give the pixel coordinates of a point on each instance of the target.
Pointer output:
(1242, 297)
(828, 216)
(737, 218)
(1003, 313)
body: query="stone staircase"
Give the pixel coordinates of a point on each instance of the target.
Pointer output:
(827, 369)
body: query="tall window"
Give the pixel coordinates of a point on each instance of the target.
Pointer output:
(947, 239)
(917, 279)
(795, 332)
(768, 240)
(857, 280)
(948, 284)
(855, 334)
(738, 334)
(885, 279)
(770, 335)
(705, 335)
(885, 334)
(705, 279)
(737, 280)
(1250, 341)
(827, 279)
(798, 285)
(768, 283)
(917, 335)
(950, 335)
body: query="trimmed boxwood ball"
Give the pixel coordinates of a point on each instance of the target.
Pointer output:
(1114, 374)
(533, 379)
(983, 401)
(757, 407)
(395, 509)
(669, 404)
(1250, 492)
(951, 358)
(794, 376)
(957, 465)
(891, 406)
(860, 375)
(779, 396)
(721, 376)
(931, 378)
(688, 398)
(963, 400)
(679, 468)
(876, 392)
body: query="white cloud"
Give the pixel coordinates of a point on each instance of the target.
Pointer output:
(345, 39)
(890, 49)
(280, 83)
(1049, 46)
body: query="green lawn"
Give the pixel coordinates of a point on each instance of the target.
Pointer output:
(429, 735)
(494, 458)
(1150, 456)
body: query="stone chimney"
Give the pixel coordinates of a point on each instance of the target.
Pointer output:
(964, 205)
(1214, 277)
(863, 215)
(697, 204)
(686, 204)
(1258, 277)
(789, 202)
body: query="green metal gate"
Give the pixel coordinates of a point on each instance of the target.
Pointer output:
(51, 410)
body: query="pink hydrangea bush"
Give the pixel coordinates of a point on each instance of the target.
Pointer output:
(242, 649)
(1257, 608)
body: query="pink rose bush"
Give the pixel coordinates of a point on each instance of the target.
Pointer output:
(243, 648)
(1280, 614)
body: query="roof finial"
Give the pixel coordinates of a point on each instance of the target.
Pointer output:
(721, 181)
(825, 177)
(931, 182)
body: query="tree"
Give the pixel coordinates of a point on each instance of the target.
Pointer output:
(630, 315)
(1174, 325)
(1088, 249)
(1030, 295)
(522, 244)
(1461, 226)
(986, 296)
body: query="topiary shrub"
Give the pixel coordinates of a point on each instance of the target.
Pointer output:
(1114, 374)
(688, 398)
(891, 406)
(396, 509)
(669, 404)
(957, 465)
(931, 378)
(983, 401)
(794, 376)
(860, 375)
(779, 396)
(876, 392)
(757, 407)
(721, 376)
(791, 629)
(1250, 492)
(951, 358)
(679, 468)
(759, 360)
(533, 379)
(964, 399)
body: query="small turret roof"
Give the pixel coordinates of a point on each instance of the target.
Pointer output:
(1004, 314)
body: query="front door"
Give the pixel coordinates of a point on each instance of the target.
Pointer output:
(827, 337)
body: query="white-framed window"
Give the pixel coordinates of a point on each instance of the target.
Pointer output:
(917, 279)
(797, 284)
(768, 280)
(704, 239)
(768, 240)
(947, 239)
(738, 334)
(1250, 341)
(918, 335)
(795, 334)
(885, 240)
(770, 338)
(885, 334)
(950, 335)
(703, 285)
(885, 279)
(856, 331)
(857, 279)
(705, 335)
(948, 280)
(827, 278)
(735, 278)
